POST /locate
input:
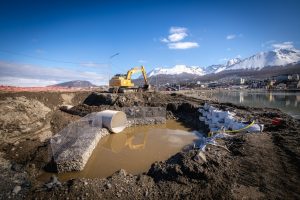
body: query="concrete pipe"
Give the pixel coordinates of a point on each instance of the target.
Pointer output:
(115, 121)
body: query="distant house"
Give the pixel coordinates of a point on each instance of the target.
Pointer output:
(242, 81)
(281, 86)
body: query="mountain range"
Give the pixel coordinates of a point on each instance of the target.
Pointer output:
(278, 58)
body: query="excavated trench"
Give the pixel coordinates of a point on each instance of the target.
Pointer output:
(148, 139)
(259, 166)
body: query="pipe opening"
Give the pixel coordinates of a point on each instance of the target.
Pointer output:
(115, 121)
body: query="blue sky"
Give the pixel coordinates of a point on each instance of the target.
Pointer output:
(46, 42)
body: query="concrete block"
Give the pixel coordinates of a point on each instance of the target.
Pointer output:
(72, 147)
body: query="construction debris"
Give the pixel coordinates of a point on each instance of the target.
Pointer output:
(221, 124)
(225, 121)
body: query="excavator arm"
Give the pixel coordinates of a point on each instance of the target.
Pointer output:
(135, 70)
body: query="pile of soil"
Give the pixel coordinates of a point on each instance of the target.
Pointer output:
(21, 115)
(259, 166)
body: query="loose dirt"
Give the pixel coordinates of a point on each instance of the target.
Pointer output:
(257, 166)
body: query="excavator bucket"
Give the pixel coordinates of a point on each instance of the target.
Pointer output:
(146, 87)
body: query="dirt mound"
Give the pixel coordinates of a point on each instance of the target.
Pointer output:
(50, 99)
(127, 100)
(21, 115)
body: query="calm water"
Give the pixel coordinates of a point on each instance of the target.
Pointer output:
(287, 102)
(134, 150)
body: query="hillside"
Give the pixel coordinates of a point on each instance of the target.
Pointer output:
(77, 83)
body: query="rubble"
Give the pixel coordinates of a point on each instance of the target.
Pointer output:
(54, 182)
(17, 189)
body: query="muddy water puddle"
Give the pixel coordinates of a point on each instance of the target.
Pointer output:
(134, 150)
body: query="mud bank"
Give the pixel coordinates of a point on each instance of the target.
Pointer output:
(258, 166)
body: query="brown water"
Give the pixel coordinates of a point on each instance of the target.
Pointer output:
(134, 150)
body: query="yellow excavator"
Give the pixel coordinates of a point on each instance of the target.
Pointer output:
(122, 83)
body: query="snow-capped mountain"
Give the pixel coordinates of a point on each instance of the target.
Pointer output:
(176, 70)
(277, 57)
(218, 68)
(233, 61)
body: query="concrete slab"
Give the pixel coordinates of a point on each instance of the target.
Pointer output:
(72, 147)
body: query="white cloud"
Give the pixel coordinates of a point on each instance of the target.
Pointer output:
(283, 45)
(230, 37)
(142, 61)
(175, 37)
(19, 74)
(164, 40)
(93, 64)
(183, 45)
(26, 82)
(177, 34)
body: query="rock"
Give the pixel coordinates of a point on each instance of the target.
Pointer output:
(16, 167)
(122, 172)
(146, 193)
(16, 143)
(65, 107)
(16, 189)
(200, 157)
(49, 185)
(54, 182)
(108, 185)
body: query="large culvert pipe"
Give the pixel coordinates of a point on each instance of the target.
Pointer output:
(115, 121)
